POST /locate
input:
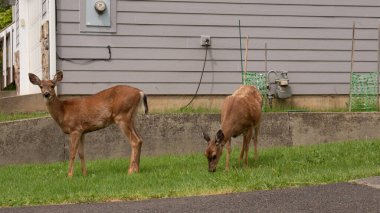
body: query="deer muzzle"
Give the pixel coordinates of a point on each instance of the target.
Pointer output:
(46, 95)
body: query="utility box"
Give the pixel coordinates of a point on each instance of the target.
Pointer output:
(98, 13)
(280, 85)
(98, 16)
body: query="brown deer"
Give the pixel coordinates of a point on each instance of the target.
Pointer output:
(76, 117)
(240, 114)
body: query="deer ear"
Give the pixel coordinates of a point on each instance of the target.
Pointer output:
(205, 136)
(219, 137)
(34, 79)
(58, 77)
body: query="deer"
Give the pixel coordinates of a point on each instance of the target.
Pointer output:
(78, 116)
(240, 114)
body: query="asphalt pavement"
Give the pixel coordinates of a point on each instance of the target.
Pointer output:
(357, 196)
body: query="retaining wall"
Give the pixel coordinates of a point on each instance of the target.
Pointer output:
(41, 140)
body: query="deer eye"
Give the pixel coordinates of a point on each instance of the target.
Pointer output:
(213, 157)
(40, 87)
(52, 86)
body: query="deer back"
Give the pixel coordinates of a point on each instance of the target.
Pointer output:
(241, 110)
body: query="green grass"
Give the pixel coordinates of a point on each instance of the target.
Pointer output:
(203, 110)
(174, 176)
(188, 110)
(284, 109)
(18, 116)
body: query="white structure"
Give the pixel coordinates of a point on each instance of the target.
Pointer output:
(7, 38)
(32, 14)
(23, 35)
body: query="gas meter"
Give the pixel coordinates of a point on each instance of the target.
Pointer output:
(282, 85)
(278, 88)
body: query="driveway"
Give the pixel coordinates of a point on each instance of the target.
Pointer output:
(358, 196)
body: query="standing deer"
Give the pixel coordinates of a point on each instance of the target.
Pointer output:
(76, 117)
(240, 114)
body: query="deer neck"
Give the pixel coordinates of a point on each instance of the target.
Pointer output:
(228, 132)
(55, 108)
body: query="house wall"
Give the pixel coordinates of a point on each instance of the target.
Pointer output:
(157, 44)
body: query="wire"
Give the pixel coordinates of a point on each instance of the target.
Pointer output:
(88, 59)
(200, 80)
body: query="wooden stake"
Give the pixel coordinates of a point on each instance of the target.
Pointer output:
(352, 63)
(266, 58)
(245, 59)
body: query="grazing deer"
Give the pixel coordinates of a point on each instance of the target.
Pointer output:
(241, 114)
(76, 117)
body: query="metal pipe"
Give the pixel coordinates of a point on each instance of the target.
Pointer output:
(378, 66)
(269, 87)
(266, 58)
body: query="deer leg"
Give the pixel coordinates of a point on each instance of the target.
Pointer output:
(136, 143)
(136, 152)
(81, 155)
(255, 142)
(74, 142)
(246, 141)
(228, 147)
(242, 152)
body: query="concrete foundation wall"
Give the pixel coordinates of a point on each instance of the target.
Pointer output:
(163, 103)
(41, 140)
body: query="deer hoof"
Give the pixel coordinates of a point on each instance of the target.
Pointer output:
(133, 170)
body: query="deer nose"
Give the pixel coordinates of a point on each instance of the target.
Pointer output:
(46, 95)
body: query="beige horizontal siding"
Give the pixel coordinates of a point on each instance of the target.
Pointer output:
(216, 66)
(157, 44)
(152, 42)
(105, 76)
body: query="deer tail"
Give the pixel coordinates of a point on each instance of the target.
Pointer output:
(144, 101)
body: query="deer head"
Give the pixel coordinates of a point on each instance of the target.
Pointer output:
(46, 86)
(214, 149)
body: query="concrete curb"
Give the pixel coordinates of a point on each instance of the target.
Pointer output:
(373, 182)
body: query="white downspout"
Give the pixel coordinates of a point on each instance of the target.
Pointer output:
(11, 52)
(24, 47)
(52, 39)
(5, 74)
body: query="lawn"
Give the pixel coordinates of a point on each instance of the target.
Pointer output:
(175, 176)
